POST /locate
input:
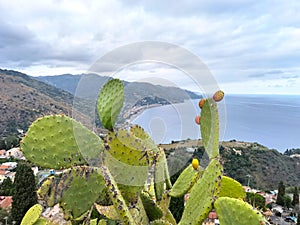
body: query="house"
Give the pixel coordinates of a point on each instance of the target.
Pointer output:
(3, 154)
(15, 153)
(5, 202)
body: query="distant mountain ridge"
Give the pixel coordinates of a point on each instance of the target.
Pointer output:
(70, 83)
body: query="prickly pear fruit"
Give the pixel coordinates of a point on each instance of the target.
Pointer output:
(198, 120)
(195, 164)
(218, 96)
(201, 102)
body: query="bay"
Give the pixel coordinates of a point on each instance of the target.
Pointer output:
(270, 120)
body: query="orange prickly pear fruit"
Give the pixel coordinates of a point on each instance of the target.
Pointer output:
(218, 96)
(195, 164)
(197, 120)
(201, 102)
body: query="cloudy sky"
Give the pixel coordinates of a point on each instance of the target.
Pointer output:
(249, 46)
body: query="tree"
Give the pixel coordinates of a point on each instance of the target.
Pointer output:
(295, 201)
(256, 200)
(11, 141)
(7, 187)
(281, 193)
(287, 201)
(25, 192)
(298, 219)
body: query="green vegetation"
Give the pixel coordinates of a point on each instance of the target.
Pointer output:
(256, 200)
(127, 166)
(25, 192)
(7, 187)
(295, 197)
(281, 193)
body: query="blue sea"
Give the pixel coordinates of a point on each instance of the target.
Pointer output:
(270, 120)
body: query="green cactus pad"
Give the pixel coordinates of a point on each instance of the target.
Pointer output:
(145, 138)
(231, 188)
(159, 176)
(138, 213)
(234, 211)
(102, 222)
(202, 195)
(109, 212)
(93, 222)
(168, 216)
(153, 211)
(127, 161)
(45, 187)
(60, 142)
(164, 203)
(32, 215)
(210, 128)
(83, 188)
(41, 221)
(110, 102)
(185, 181)
(160, 222)
(116, 197)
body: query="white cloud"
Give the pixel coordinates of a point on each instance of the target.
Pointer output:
(235, 38)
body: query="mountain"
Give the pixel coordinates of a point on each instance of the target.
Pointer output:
(88, 86)
(266, 167)
(24, 99)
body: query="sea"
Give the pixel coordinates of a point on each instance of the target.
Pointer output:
(270, 120)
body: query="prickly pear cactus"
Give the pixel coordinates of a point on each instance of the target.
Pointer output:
(32, 215)
(130, 168)
(79, 188)
(234, 211)
(202, 195)
(110, 102)
(185, 181)
(231, 188)
(210, 128)
(57, 142)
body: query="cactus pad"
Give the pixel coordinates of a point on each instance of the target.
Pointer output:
(202, 195)
(185, 181)
(110, 102)
(42, 221)
(109, 212)
(127, 161)
(81, 191)
(32, 215)
(231, 188)
(210, 128)
(60, 142)
(116, 197)
(233, 211)
(153, 211)
(160, 222)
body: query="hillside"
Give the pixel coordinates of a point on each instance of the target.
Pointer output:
(23, 99)
(265, 166)
(88, 86)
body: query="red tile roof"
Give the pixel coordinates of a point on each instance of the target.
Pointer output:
(5, 201)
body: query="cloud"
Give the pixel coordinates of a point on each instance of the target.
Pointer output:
(238, 40)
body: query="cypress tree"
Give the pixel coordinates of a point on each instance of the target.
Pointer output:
(25, 192)
(281, 193)
(295, 201)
